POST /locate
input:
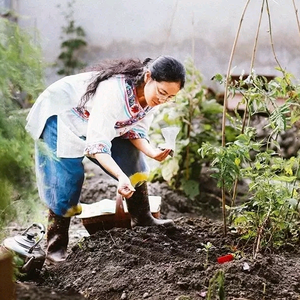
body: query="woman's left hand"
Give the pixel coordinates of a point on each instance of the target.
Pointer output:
(155, 153)
(159, 154)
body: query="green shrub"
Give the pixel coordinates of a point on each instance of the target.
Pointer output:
(21, 79)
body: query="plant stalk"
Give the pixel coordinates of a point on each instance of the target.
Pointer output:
(260, 231)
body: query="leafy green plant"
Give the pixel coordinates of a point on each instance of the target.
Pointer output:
(227, 161)
(21, 67)
(21, 72)
(217, 286)
(267, 219)
(271, 216)
(73, 42)
(196, 116)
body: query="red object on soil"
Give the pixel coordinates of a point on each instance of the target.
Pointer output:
(225, 258)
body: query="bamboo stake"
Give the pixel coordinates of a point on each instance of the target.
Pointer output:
(234, 194)
(298, 165)
(190, 106)
(271, 37)
(170, 26)
(296, 12)
(225, 106)
(228, 73)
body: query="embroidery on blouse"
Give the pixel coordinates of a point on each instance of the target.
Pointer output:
(97, 148)
(131, 135)
(81, 112)
(136, 111)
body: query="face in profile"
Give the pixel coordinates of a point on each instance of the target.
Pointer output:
(158, 92)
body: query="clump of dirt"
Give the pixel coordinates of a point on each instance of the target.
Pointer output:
(166, 262)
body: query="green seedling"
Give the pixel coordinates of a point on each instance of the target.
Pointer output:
(206, 249)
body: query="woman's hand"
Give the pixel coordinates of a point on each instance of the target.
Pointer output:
(155, 153)
(159, 154)
(125, 188)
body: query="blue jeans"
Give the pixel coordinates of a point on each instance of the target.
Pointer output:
(60, 179)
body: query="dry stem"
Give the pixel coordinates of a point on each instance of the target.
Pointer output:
(296, 12)
(260, 231)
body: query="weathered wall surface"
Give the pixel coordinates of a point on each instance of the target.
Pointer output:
(199, 28)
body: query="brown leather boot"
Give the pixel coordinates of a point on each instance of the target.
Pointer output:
(139, 209)
(57, 238)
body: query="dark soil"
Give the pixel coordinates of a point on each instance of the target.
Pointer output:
(165, 263)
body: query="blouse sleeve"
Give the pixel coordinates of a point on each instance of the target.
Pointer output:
(107, 105)
(140, 130)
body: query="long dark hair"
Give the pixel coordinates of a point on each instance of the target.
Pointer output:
(163, 68)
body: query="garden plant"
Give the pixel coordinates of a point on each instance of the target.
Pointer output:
(21, 79)
(270, 217)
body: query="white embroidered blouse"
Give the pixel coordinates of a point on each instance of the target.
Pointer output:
(113, 111)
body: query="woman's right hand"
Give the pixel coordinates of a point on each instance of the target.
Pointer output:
(125, 187)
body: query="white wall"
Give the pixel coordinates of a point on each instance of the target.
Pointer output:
(141, 28)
